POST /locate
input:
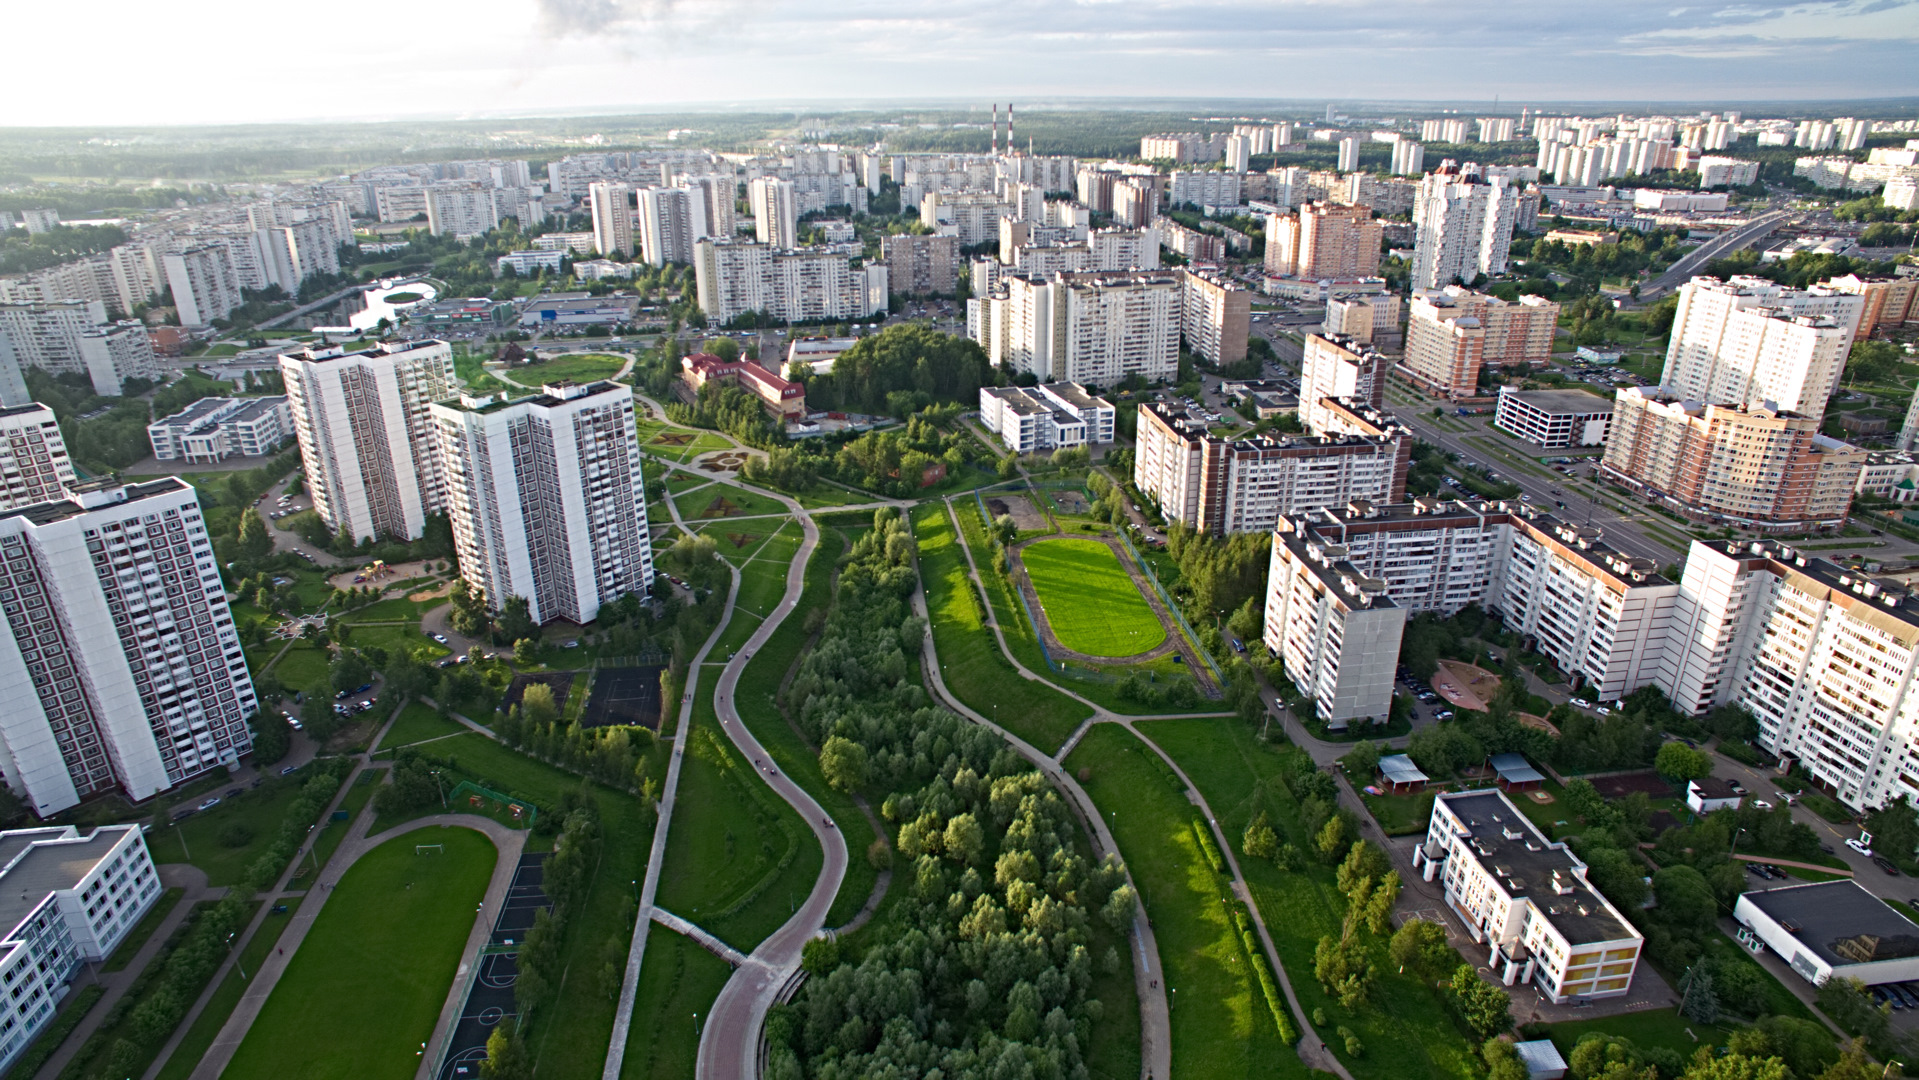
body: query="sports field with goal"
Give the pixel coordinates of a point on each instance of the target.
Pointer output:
(366, 985)
(1090, 600)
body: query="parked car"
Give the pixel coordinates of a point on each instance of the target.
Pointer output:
(1581, 703)
(1761, 804)
(441, 638)
(1885, 864)
(1859, 846)
(288, 771)
(209, 804)
(1443, 714)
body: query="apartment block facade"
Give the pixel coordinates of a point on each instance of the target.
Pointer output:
(214, 429)
(1335, 629)
(1335, 369)
(612, 217)
(922, 265)
(118, 655)
(1323, 240)
(1464, 227)
(1215, 315)
(1035, 419)
(1748, 340)
(34, 466)
(735, 277)
(366, 436)
(1452, 333)
(547, 499)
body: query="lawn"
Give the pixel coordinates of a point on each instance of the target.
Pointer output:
(678, 981)
(1220, 1024)
(193, 1045)
(1406, 1029)
(467, 367)
(207, 839)
(136, 937)
(1090, 600)
(725, 500)
(1655, 1027)
(971, 663)
(418, 723)
(377, 965)
(579, 368)
(302, 666)
(394, 639)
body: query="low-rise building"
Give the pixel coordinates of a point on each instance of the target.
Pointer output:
(1553, 419)
(1832, 929)
(1033, 419)
(532, 261)
(1710, 795)
(556, 311)
(776, 394)
(214, 429)
(1527, 900)
(78, 898)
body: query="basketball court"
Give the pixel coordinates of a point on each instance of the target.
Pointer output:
(624, 696)
(489, 997)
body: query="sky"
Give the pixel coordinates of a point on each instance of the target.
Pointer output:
(242, 61)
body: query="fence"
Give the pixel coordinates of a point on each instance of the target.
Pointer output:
(1198, 645)
(478, 796)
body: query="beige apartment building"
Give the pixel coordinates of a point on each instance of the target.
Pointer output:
(1453, 332)
(1889, 301)
(1336, 368)
(1215, 315)
(1323, 240)
(1757, 466)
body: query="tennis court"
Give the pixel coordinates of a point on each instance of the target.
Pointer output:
(624, 696)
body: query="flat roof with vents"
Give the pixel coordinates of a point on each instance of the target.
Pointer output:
(1509, 847)
(1839, 922)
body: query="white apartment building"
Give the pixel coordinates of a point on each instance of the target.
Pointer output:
(1409, 158)
(400, 202)
(547, 499)
(203, 284)
(74, 337)
(1464, 227)
(529, 262)
(366, 436)
(1123, 249)
(1433, 554)
(214, 429)
(1034, 419)
(1203, 189)
(1335, 630)
(1715, 171)
(116, 352)
(1749, 340)
(715, 195)
(1553, 419)
(667, 225)
(1337, 369)
(119, 657)
(34, 466)
(612, 217)
(734, 277)
(1218, 486)
(1527, 900)
(776, 215)
(79, 896)
(1086, 328)
(973, 217)
(1823, 657)
(462, 210)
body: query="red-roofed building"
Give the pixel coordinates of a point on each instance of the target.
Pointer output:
(782, 398)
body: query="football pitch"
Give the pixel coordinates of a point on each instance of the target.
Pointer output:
(1091, 602)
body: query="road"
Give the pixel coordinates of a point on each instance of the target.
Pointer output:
(1718, 247)
(729, 1043)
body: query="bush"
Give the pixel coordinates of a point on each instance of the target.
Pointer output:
(236, 834)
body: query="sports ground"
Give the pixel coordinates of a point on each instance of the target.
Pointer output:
(1090, 600)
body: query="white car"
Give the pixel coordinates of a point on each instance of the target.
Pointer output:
(1761, 804)
(1859, 846)
(1581, 703)
(1603, 711)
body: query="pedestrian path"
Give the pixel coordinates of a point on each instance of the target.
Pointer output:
(707, 941)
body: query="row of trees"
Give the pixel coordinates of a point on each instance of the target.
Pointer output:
(987, 963)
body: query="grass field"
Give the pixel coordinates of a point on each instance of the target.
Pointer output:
(418, 723)
(1221, 1026)
(208, 839)
(377, 965)
(971, 663)
(579, 368)
(1090, 600)
(678, 981)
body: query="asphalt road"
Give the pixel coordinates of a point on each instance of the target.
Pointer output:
(729, 1043)
(1718, 247)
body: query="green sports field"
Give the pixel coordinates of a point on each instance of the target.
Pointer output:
(367, 984)
(1090, 600)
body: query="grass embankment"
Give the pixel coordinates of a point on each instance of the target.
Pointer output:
(1089, 599)
(377, 964)
(193, 1045)
(971, 663)
(678, 983)
(1221, 1026)
(1405, 1029)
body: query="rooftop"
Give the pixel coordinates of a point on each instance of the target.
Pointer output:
(1561, 401)
(47, 513)
(45, 864)
(1343, 580)
(1839, 921)
(1869, 598)
(1526, 865)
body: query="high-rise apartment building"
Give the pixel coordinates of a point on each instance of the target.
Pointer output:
(1446, 131)
(667, 227)
(808, 284)
(1216, 485)
(1373, 320)
(1452, 333)
(1885, 302)
(34, 466)
(1323, 241)
(116, 352)
(1349, 153)
(203, 284)
(1464, 227)
(1215, 315)
(1092, 328)
(1749, 340)
(776, 216)
(546, 498)
(1409, 158)
(1336, 369)
(716, 195)
(1333, 628)
(1123, 249)
(461, 210)
(1754, 466)
(72, 337)
(120, 662)
(924, 265)
(1495, 129)
(1727, 172)
(1135, 202)
(612, 218)
(366, 436)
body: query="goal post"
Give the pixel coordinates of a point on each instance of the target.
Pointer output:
(429, 849)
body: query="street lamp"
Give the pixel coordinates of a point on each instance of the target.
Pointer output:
(238, 960)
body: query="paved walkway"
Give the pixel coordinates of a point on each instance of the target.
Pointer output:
(707, 941)
(730, 1041)
(193, 881)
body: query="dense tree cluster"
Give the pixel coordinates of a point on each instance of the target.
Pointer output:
(895, 463)
(615, 756)
(732, 409)
(302, 812)
(182, 973)
(905, 365)
(986, 965)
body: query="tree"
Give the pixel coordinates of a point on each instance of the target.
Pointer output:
(1679, 763)
(316, 711)
(272, 738)
(1344, 969)
(1363, 758)
(1486, 1008)
(1852, 1008)
(1502, 1061)
(1333, 839)
(1260, 841)
(536, 704)
(1735, 1067)
(1895, 830)
(349, 670)
(1420, 945)
(506, 1057)
(1872, 362)
(725, 348)
(843, 764)
(964, 839)
(525, 651)
(255, 540)
(1853, 1064)
(516, 620)
(469, 616)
